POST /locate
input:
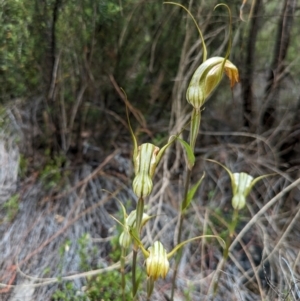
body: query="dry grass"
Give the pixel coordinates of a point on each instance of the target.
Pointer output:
(264, 259)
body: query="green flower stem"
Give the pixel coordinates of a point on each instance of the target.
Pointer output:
(139, 214)
(181, 218)
(134, 265)
(229, 239)
(232, 226)
(150, 286)
(139, 218)
(122, 262)
(195, 126)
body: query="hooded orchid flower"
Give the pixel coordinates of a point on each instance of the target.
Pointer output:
(242, 184)
(145, 159)
(207, 77)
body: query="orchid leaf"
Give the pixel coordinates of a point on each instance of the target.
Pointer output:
(163, 149)
(133, 233)
(186, 203)
(189, 153)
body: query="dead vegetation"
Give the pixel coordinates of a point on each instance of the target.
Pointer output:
(73, 166)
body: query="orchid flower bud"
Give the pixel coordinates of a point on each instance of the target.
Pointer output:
(157, 263)
(130, 221)
(145, 159)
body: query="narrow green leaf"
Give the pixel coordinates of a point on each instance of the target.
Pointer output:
(123, 209)
(164, 148)
(189, 153)
(134, 234)
(191, 194)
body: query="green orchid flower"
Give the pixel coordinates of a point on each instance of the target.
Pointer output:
(209, 74)
(242, 184)
(207, 77)
(125, 239)
(129, 225)
(145, 159)
(157, 257)
(145, 162)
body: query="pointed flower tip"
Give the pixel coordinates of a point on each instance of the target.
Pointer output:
(232, 72)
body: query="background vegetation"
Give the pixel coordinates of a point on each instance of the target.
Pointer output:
(64, 138)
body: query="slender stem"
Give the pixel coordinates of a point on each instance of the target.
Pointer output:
(231, 228)
(139, 218)
(139, 214)
(194, 131)
(123, 255)
(181, 218)
(150, 286)
(195, 125)
(134, 260)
